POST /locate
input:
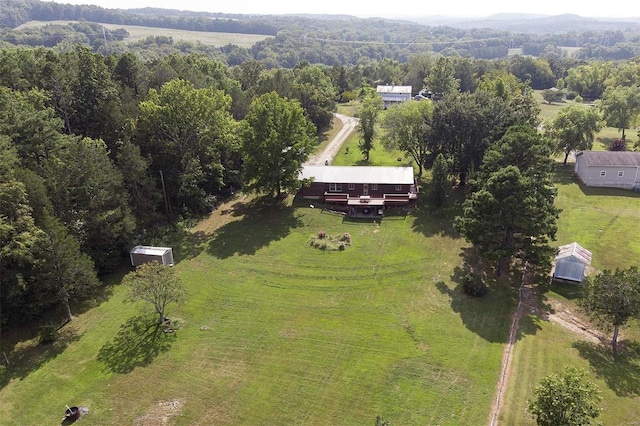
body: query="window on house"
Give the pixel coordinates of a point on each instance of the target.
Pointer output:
(374, 186)
(335, 187)
(620, 173)
(603, 173)
(398, 187)
(352, 186)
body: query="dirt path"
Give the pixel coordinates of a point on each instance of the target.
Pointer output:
(329, 153)
(525, 296)
(528, 305)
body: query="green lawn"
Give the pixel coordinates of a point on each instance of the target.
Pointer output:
(277, 332)
(605, 222)
(602, 139)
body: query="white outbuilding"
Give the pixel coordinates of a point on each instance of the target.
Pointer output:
(144, 254)
(571, 262)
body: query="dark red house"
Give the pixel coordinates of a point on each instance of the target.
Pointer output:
(359, 190)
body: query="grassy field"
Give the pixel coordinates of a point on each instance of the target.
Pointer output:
(137, 33)
(603, 138)
(605, 222)
(277, 332)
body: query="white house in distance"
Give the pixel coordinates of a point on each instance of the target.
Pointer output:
(394, 94)
(613, 169)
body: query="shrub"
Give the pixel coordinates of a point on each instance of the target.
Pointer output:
(571, 95)
(578, 99)
(48, 333)
(330, 242)
(618, 145)
(348, 96)
(473, 285)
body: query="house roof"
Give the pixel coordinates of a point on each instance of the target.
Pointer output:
(611, 158)
(359, 174)
(150, 251)
(568, 270)
(393, 89)
(574, 251)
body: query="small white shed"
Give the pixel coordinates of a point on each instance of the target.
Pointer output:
(144, 254)
(571, 262)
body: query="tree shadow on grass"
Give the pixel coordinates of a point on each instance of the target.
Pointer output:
(264, 220)
(27, 355)
(620, 372)
(140, 340)
(430, 220)
(489, 316)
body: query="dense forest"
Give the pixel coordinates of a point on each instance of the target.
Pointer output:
(102, 150)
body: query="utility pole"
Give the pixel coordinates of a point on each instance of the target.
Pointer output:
(167, 206)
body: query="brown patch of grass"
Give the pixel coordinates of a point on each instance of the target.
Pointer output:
(160, 413)
(227, 212)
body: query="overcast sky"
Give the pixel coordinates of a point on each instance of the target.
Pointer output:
(594, 8)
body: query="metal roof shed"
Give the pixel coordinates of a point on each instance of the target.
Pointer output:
(144, 254)
(568, 270)
(574, 252)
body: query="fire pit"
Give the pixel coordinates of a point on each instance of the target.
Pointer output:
(72, 413)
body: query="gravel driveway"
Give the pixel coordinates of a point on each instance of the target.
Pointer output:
(329, 153)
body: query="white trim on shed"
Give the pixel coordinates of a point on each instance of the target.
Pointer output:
(574, 252)
(144, 254)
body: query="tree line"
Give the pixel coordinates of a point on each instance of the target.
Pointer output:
(321, 40)
(17, 12)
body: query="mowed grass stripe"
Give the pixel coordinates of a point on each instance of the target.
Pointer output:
(277, 332)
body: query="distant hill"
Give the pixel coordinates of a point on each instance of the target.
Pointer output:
(533, 24)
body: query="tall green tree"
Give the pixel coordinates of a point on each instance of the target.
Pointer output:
(86, 96)
(32, 125)
(613, 298)
(566, 399)
(574, 129)
(524, 147)
(464, 125)
(314, 89)
(442, 79)
(63, 272)
(19, 234)
(144, 193)
(184, 130)
(156, 284)
(368, 115)
(408, 127)
(620, 106)
(88, 195)
(417, 69)
(501, 83)
(277, 139)
(588, 80)
(510, 216)
(440, 183)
